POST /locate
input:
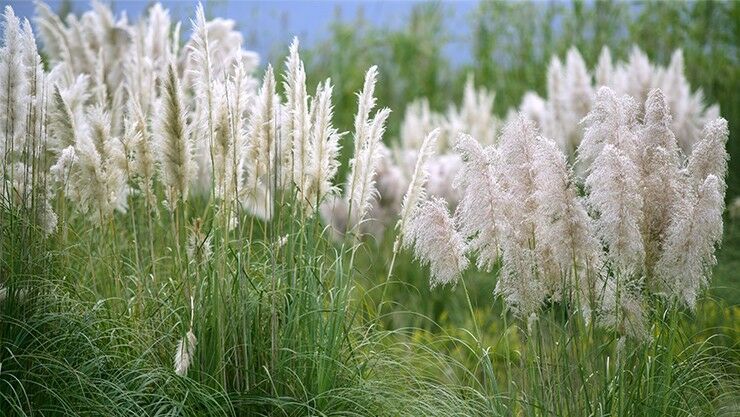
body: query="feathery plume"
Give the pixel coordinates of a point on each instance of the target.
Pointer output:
(518, 145)
(563, 229)
(365, 104)
(90, 182)
(13, 85)
(481, 215)
(436, 243)
(614, 194)
(172, 138)
(230, 134)
(606, 124)
(260, 155)
(62, 121)
(185, 353)
(415, 191)
(687, 260)
(355, 182)
(660, 179)
(364, 167)
(112, 156)
(298, 123)
(519, 283)
(709, 156)
(324, 146)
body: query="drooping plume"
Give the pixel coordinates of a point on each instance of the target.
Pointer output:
(185, 353)
(481, 215)
(431, 232)
(686, 263)
(709, 156)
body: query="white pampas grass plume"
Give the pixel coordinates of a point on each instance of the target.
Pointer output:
(658, 120)
(562, 224)
(90, 181)
(172, 138)
(13, 85)
(415, 191)
(519, 283)
(62, 168)
(208, 99)
(356, 182)
(480, 216)
(201, 71)
(579, 85)
(185, 353)
(709, 156)
(230, 134)
(62, 121)
(298, 124)
(364, 167)
(606, 123)
(260, 156)
(418, 119)
(222, 148)
(324, 148)
(436, 243)
(614, 194)
(517, 149)
(52, 33)
(688, 256)
(658, 162)
(476, 116)
(112, 156)
(365, 104)
(157, 40)
(262, 129)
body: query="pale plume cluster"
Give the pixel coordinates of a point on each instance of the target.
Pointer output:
(571, 90)
(571, 95)
(24, 88)
(131, 113)
(645, 219)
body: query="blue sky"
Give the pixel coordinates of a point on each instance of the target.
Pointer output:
(268, 24)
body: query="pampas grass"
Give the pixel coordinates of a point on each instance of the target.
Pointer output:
(588, 220)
